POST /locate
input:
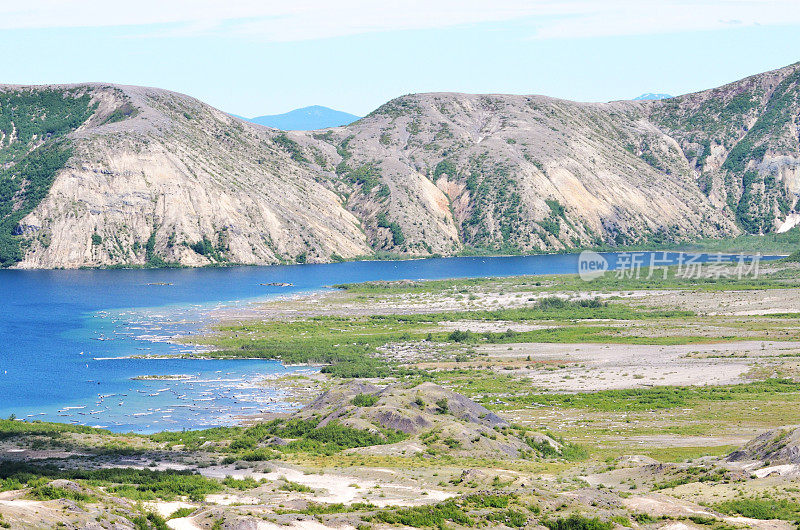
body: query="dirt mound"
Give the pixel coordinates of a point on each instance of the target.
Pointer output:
(778, 446)
(410, 410)
(439, 419)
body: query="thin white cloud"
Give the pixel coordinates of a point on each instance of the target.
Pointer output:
(284, 21)
(644, 18)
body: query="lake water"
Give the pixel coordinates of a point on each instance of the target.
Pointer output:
(67, 337)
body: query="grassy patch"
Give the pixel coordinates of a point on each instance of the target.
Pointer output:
(182, 512)
(10, 428)
(242, 484)
(577, 522)
(137, 484)
(47, 492)
(288, 485)
(308, 436)
(348, 345)
(437, 516)
(666, 397)
(761, 508)
(777, 277)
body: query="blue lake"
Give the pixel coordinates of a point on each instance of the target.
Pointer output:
(67, 337)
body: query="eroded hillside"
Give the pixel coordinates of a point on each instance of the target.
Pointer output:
(519, 173)
(177, 181)
(742, 141)
(102, 175)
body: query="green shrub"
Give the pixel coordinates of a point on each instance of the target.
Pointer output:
(308, 436)
(48, 493)
(556, 208)
(204, 247)
(151, 521)
(288, 485)
(246, 483)
(452, 443)
(137, 484)
(445, 167)
(512, 518)
(182, 512)
(364, 400)
(621, 520)
(426, 516)
(292, 147)
(461, 336)
(577, 522)
(259, 455)
(397, 232)
(126, 110)
(488, 500)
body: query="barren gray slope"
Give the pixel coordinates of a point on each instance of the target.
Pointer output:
(181, 171)
(424, 174)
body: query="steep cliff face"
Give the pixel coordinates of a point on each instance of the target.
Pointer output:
(99, 175)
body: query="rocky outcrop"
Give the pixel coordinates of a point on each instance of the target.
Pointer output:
(774, 447)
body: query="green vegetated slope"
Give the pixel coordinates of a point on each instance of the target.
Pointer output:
(741, 139)
(33, 147)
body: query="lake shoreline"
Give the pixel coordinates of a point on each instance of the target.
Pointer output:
(94, 317)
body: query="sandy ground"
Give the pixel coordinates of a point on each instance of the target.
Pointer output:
(226, 499)
(588, 367)
(165, 509)
(656, 505)
(381, 487)
(333, 302)
(300, 525)
(780, 470)
(731, 303)
(9, 451)
(675, 440)
(725, 303)
(758, 523)
(478, 326)
(32, 513)
(183, 523)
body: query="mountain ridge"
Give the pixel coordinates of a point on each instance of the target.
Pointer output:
(651, 96)
(313, 117)
(153, 177)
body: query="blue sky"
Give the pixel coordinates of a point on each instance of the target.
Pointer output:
(261, 57)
